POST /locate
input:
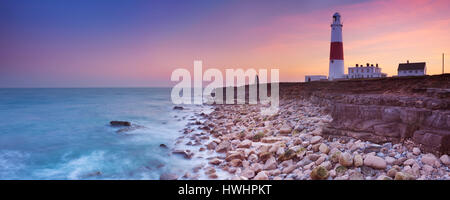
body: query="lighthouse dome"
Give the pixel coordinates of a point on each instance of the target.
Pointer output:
(336, 14)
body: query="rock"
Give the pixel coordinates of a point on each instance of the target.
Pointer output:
(178, 108)
(428, 169)
(324, 148)
(186, 153)
(340, 170)
(248, 173)
(213, 176)
(288, 169)
(403, 176)
(372, 148)
(215, 161)
(389, 160)
(327, 165)
(335, 156)
(358, 160)
(270, 164)
(319, 173)
(261, 176)
(120, 123)
(163, 146)
(168, 176)
(252, 158)
(285, 129)
(234, 155)
(287, 155)
(315, 139)
(211, 145)
(367, 171)
(320, 160)
(375, 162)
(429, 159)
(416, 151)
(346, 159)
(245, 144)
(355, 176)
(445, 159)
(313, 157)
(409, 162)
(391, 173)
(223, 146)
(236, 162)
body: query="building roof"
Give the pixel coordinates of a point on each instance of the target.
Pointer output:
(411, 66)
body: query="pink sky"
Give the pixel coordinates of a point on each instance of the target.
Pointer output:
(383, 32)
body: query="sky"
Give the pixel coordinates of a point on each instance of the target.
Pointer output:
(138, 43)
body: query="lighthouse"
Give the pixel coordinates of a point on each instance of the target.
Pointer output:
(336, 70)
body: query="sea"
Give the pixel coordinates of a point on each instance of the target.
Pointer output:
(61, 133)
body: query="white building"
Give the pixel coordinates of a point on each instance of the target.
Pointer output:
(412, 69)
(368, 71)
(310, 78)
(336, 69)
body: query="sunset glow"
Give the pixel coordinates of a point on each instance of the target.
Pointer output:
(139, 43)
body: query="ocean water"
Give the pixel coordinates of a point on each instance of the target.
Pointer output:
(65, 133)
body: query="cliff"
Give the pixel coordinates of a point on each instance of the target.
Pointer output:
(383, 110)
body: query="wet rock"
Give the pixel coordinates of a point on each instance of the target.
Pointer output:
(186, 153)
(120, 123)
(178, 108)
(215, 161)
(163, 146)
(223, 146)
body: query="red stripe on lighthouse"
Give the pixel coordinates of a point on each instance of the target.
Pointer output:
(336, 51)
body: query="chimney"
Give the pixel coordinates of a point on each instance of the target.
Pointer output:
(356, 65)
(407, 62)
(377, 64)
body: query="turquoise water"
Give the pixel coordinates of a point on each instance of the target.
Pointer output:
(65, 133)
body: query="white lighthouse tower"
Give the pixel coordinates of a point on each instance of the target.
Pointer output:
(336, 70)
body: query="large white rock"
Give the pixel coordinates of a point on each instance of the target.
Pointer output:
(445, 159)
(429, 159)
(315, 139)
(375, 162)
(261, 176)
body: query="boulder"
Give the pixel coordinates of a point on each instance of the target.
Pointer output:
(120, 123)
(315, 139)
(245, 144)
(445, 159)
(324, 148)
(261, 176)
(429, 159)
(375, 162)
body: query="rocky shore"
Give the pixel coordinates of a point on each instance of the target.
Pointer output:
(310, 139)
